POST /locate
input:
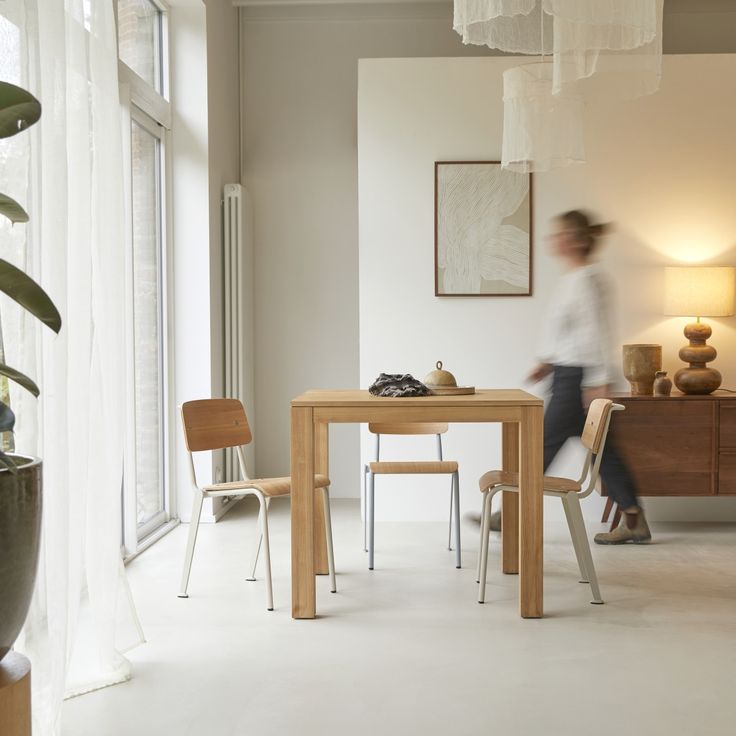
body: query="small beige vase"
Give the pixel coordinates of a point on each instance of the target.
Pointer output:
(641, 363)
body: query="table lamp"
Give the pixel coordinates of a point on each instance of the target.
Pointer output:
(698, 291)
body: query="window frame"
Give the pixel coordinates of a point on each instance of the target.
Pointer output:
(142, 104)
(145, 96)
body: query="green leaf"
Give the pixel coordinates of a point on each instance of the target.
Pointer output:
(18, 109)
(7, 418)
(12, 210)
(24, 290)
(19, 378)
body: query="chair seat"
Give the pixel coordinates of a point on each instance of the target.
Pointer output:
(267, 486)
(494, 478)
(418, 467)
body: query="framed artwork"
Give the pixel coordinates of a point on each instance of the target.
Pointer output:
(482, 230)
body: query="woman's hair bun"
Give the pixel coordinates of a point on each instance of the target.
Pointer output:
(600, 228)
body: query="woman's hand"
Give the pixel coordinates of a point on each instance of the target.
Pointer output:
(540, 372)
(595, 392)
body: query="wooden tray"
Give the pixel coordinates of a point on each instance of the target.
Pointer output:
(451, 390)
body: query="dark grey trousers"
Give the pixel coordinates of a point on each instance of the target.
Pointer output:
(565, 418)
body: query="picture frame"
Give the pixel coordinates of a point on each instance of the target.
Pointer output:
(483, 230)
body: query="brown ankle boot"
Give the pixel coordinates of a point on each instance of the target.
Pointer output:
(628, 530)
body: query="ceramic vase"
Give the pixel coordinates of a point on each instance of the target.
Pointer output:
(640, 363)
(662, 384)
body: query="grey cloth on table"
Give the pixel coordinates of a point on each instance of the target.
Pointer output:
(397, 385)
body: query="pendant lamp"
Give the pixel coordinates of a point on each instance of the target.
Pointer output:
(589, 49)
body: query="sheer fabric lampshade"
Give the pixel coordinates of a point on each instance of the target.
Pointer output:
(582, 42)
(541, 130)
(583, 37)
(700, 291)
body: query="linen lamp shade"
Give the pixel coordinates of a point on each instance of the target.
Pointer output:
(699, 291)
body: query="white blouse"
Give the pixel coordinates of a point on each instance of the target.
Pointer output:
(577, 328)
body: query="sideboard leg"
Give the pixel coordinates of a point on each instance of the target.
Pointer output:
(607, 510)
(616, 518)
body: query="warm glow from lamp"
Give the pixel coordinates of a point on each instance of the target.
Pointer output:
(700, 291)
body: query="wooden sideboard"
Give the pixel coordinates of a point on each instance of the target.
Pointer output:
(681, 445)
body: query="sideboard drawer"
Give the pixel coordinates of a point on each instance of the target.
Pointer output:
(728, 424)
(727, 474)
(669, 446)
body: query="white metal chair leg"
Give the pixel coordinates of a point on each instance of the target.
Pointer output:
(485, 534)
(480, 540)
(449, 525)
(456, 501)
(582, 535)
(330, 549)
(266, 548)
(584, 575)
(259, 540)
(371, 509)
(191, 541)
(363, 509)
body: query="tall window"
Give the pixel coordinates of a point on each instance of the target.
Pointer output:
(140, 40)
(143, 56)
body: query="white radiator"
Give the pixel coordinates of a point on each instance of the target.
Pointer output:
(238, 310)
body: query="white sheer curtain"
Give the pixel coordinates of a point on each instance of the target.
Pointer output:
(72, 182)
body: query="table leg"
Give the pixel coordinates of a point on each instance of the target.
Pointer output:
(303, 596)
(531, 499)
(321, 465)
(510, 501)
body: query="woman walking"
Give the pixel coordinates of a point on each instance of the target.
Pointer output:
(575, 352)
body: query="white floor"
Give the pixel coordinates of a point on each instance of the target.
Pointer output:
(406, 649)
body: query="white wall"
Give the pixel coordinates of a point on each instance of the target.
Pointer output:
(299, 157)
(192, 334)
(661, 167)
(205, 97)
(300, 78)
(223, 107)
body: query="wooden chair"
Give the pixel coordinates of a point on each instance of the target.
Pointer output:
(215, 424)
(427, 467)
(567, 490)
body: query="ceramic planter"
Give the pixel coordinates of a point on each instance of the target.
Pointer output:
(20, 534)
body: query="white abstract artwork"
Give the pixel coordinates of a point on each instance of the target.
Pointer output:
(483, 229)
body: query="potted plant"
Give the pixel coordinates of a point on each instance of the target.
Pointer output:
(20, 476)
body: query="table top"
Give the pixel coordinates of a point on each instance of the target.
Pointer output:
(361, 397)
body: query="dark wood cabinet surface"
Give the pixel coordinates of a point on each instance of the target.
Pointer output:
(681, 445)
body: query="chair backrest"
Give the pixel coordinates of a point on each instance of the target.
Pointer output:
(408, 428)
(596, 423)
(213, 424)
(594, 436)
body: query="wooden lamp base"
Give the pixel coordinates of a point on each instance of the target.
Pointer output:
(697, 378)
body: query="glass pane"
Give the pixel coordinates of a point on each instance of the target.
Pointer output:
(139, 39)
(146, 211)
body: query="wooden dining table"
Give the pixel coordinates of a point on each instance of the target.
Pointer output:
(521, 415)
